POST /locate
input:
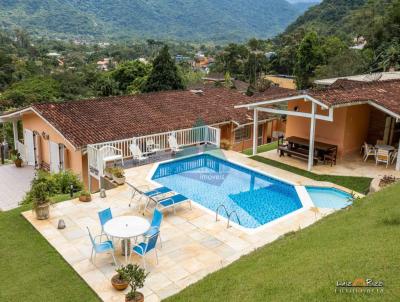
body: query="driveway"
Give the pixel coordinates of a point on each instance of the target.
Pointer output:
(14, 182)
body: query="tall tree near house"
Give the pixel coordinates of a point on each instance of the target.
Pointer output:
(309, 56)
(164, 75)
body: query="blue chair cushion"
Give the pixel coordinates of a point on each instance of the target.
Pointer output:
(173, 200)
(141, 251)
(162, 190)
(104, 246)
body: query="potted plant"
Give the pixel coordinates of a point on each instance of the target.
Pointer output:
(16, 158)
(108, 172)
(120, 281)
(119, 176)
(41, 202)
(136, 277)
(85, 196)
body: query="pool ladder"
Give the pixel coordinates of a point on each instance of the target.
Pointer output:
(222, 206)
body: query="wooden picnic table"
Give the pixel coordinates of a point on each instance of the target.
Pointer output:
(299, 141)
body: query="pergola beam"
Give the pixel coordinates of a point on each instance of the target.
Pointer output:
(328, 118)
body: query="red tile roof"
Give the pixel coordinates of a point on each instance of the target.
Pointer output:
(383, 93)
(112, 118)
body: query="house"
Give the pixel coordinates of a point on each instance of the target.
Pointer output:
(57, 135)
(283, 81)
(104, 64)
(345, 114)
(369, 77)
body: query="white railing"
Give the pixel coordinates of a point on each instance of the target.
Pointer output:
(148, 143)
(21, 150)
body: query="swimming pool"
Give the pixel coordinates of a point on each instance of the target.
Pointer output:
(329, 197)
(211, 181)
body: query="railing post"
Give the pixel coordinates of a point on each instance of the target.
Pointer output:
(206, 134)
(218, 137)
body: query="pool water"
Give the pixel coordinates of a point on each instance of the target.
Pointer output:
(329, 197)
(211, 181)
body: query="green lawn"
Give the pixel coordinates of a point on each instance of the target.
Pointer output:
(262, 148)
(358, 184)
(362, 242)
(30, 269)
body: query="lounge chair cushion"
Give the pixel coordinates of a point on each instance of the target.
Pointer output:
(161, 190)
(172, 200)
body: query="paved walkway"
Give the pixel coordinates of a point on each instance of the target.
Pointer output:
(14, 182)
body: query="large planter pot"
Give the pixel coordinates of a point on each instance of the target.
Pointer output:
(85, 198)
(117, 284)
(139, 298)
(119, 180)
(18, 163)
(43, 211)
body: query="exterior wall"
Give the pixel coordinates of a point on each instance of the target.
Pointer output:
(73, 158)
(282, 81)
(357, 124)
(348, 130)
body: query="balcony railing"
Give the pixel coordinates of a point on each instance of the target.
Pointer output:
(185, 137)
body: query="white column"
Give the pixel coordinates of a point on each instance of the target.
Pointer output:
(398, 159)
(255, 131)
(15, 133)
(312, 136)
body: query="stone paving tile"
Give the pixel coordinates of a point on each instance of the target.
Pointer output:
(193, 243)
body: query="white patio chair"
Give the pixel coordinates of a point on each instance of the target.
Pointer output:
(137, 154)
(382, 156)
(151, 146)
(110, 153)
(173, 144)
(369, 150)
(394, 156)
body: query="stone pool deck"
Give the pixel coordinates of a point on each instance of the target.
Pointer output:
(194, 244)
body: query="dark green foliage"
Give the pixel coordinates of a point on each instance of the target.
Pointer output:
(164, 75)
(127, 72)
(183, 20)
(309, 56)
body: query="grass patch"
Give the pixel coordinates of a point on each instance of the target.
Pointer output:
(354, 183)
(262, 148)
(346, 245)
(31, 269)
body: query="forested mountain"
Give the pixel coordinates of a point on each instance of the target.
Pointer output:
(222, 20)
(342, 18)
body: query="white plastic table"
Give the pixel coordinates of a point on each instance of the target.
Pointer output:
(126, 227)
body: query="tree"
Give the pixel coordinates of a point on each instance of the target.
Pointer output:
(127, 72)
(309, 56)
(164, 75)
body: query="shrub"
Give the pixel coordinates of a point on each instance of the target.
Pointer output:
(118, 172)
(53, 184)
(39, 194)
(64, 180)
(136, 277)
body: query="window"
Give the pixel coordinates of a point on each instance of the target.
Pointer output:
(243, 133)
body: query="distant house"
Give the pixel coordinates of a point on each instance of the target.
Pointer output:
(53, 54)
(104, 64)
(284, 81)
(56, 136)
(368, 77)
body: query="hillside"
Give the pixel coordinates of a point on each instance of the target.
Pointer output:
(221, 20)
(340, 17)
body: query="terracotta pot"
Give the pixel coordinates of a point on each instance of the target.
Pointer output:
(43, 211)
(18, 163)
(85, 198)
(139, 298)
(117, 285)
(119, 180)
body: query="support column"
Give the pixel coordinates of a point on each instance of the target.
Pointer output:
(255, 131)
(312, 137)
(15, 133)
(398, 159)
